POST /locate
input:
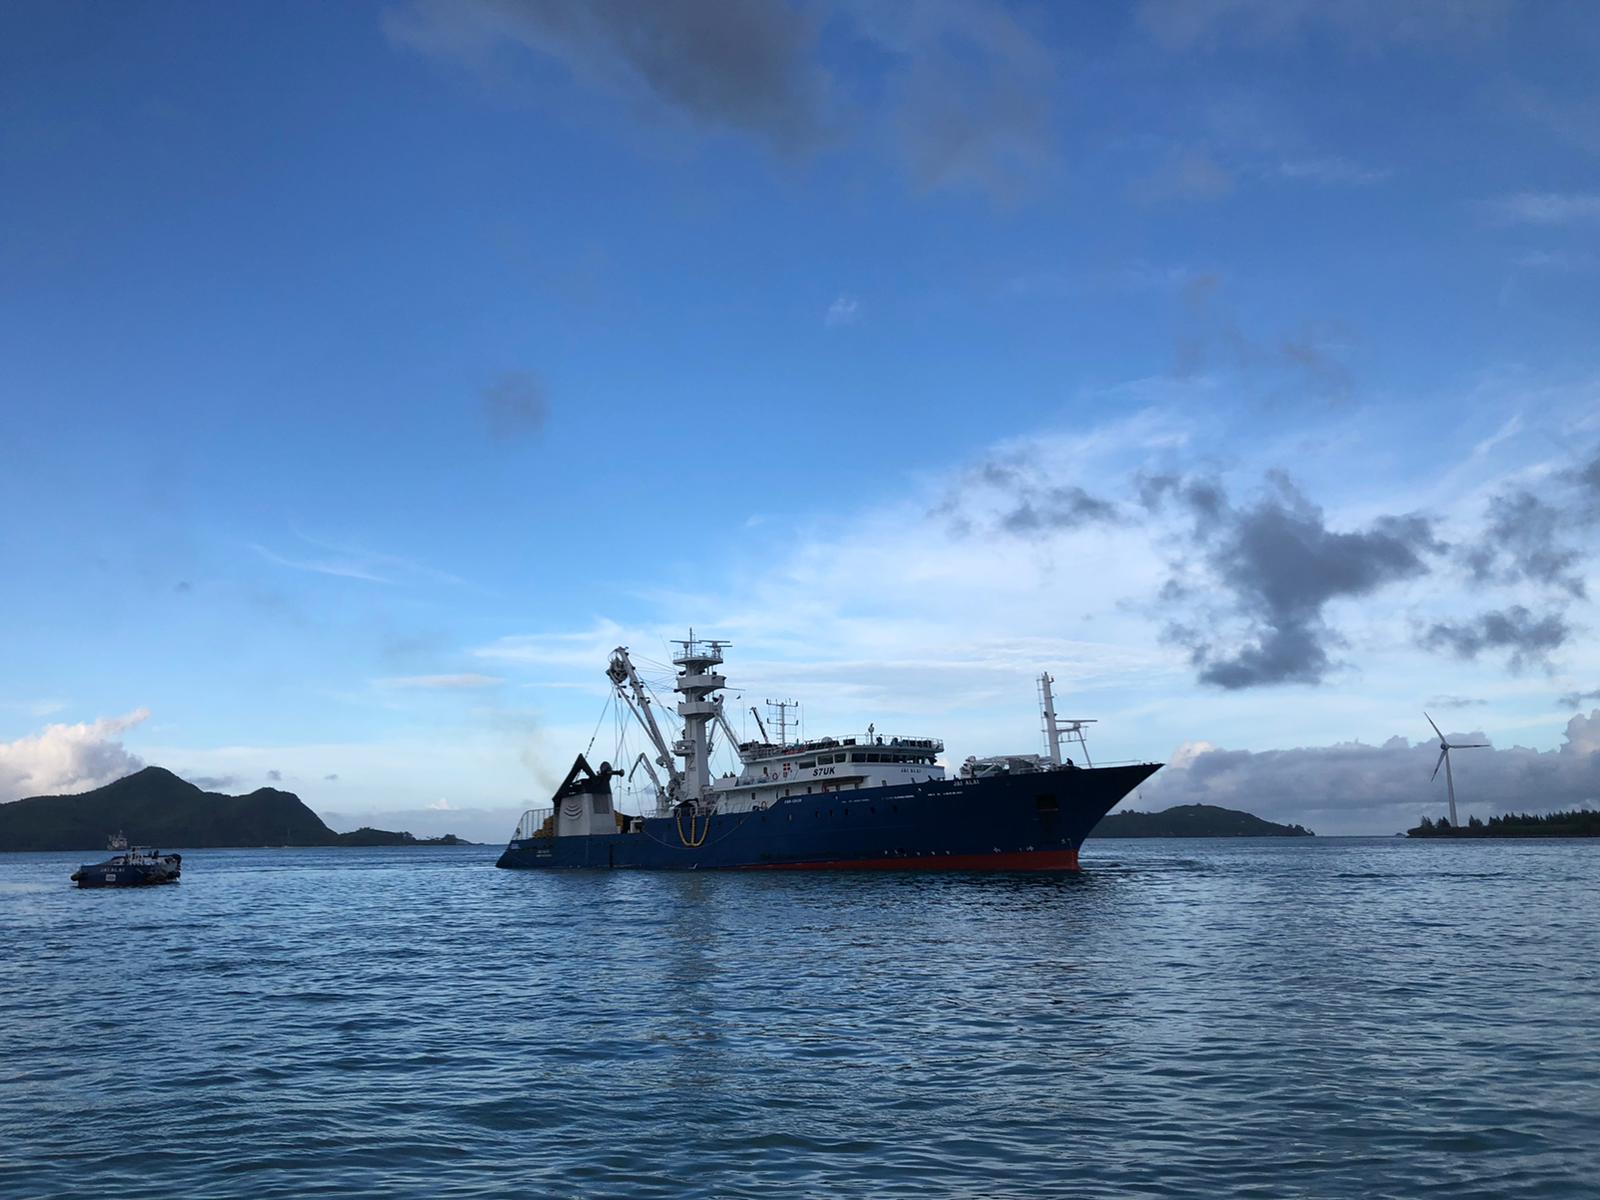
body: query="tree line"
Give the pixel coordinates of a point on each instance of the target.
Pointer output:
(1579, 822)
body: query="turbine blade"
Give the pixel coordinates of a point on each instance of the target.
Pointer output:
(1435, 727)
(1438, 764)
(1471, 746)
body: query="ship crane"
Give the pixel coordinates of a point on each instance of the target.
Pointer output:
(700, 710)
(721, 719)
(644, 761)
(625, 678)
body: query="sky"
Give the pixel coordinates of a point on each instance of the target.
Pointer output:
(369, 371)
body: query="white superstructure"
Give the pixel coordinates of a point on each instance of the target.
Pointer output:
(768, 771)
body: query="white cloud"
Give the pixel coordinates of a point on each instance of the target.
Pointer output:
(68, 758)
(465, 681)
(1547, 208)
(340, 568)
(1562, 261)
(1331, 170)
(843, 311)
(934, 613)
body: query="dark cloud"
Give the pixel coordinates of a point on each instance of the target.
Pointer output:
(963, 94)
(743, 65)
(214, 783)
(1055, 509)
(1357, 788)
(1309, 359)
(1279, 565)
(275, 776)
(1203, 497)
(1587, 478)
(1457, 702)
(1525, 539)
(1015, 497)
(1578, 699)
(970, 96)
(1524, 637)
(514, 406)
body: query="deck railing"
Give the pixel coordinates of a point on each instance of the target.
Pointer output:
(536, 822)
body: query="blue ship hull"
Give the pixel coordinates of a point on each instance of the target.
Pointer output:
(1033, 821)
(118, 872)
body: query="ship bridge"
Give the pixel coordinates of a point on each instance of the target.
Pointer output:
(873, 748)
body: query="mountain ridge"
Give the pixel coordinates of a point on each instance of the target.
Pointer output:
(155, 807)
(1194, 820)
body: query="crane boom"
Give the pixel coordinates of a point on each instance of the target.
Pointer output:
(625, 678)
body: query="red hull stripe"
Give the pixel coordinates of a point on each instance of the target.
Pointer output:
(1022, 860)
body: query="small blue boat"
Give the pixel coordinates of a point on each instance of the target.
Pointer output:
(132, 867)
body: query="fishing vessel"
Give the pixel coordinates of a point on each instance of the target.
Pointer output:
(131, 866)
(872, 801)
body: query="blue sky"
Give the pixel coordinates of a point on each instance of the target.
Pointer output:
(367, 371)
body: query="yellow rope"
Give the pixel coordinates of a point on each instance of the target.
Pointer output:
(691, 841)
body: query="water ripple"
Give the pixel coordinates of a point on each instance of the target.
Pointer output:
(1186, 1019)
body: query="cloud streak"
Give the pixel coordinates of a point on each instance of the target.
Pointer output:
(1547, 208)
(467, 681)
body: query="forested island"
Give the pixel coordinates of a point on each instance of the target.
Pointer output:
(154, 807)
(1194, 820)
(1582, 822)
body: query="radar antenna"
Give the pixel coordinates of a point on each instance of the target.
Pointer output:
(778, 710)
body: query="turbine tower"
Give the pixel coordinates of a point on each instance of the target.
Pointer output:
(1444, 761)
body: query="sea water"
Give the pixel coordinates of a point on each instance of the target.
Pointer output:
(1239, 1018)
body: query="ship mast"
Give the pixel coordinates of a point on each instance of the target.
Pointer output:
(702, 714)
(1052, 734)
(1058, 728)
(697, 679)
(778, 713)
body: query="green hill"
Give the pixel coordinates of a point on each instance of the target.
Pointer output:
(1194, 820)
(154, 807)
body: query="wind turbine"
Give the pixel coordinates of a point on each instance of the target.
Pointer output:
(1444, 761)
